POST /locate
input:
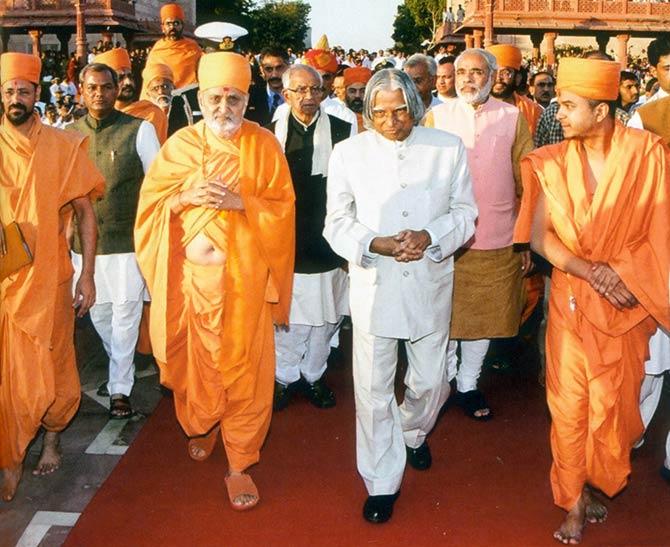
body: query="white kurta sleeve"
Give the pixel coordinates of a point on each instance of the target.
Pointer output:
(147, 144)
(635, 121)
(347, 237)
(457, 225)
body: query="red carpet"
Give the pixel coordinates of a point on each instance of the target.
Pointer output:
(488, 485)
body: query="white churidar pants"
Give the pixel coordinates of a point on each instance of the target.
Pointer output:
(383, 428)
(472, 360)
(303, 349)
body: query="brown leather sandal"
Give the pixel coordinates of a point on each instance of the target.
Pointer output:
(238, 485)
(119, 407)
(205, 443)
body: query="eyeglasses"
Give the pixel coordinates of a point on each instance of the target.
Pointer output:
(303, 90)
(400, 113)
(506, 72)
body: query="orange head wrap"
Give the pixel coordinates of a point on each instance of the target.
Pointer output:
(321, 59)
(224, 69)
(21, 66)
(116, 59)
(589, 78)
(172, 11)
(506, 56)
(356, 75)
(157, 70)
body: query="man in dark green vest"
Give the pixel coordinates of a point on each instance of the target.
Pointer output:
(122, 147)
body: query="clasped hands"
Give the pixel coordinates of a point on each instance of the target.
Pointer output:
(212, 194)
(606, 282)
(405, 246)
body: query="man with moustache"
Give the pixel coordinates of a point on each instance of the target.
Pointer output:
(307, 134)
(444, 79)
(178, 106)
(355, 80)
(179, 53)
(543, 87)
(423, 69)
(45, 175)
(265, 99)
(488, 278)
(127, 102)
(400, 204)
(122, 147)
(215, 237)
(509, 60)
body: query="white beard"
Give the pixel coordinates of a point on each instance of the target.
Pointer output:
(224, 130)
(478, 97)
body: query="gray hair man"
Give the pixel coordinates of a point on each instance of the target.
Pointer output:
(422, 69)
(400, 204)
(319, 302)
(490, 271)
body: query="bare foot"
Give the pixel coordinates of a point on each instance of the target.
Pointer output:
(11, 477)
(50, 458)
(570, 532)
(241, 490)
(595, 509)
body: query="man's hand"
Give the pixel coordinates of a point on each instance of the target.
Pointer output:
(213, 195)
(385, 246)
(527, 265)
(411, 245)
(3, 243)
(608, 284)
(84, 294)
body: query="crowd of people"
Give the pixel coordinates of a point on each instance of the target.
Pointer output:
(438, 201)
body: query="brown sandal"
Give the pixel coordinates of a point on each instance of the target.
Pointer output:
(239, 485)
(205, 443)
(119, 407)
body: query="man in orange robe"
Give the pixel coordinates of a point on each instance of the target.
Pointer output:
(215, 241)
(179, 53)
(45, 175)
(119, 61)
(355, 80)
(602, 221)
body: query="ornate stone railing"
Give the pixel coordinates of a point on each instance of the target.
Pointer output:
(581, 8)
(15, 7)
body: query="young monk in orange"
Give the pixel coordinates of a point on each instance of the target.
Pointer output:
(45, 175)
(602, 220)
(215, 240)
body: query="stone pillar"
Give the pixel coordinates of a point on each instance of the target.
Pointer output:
(536, 39)
(128, 37)
(478, 37)
(602, 39)
(550, 44)
(622, 49)
(64, 39)
(36, 36)
(488, 23)
(469, 41)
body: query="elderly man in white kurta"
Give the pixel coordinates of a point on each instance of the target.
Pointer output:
(400, 204)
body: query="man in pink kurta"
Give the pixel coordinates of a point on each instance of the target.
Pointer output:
(488, 296)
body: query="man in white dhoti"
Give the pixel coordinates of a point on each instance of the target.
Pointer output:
(307, 135)
(400, 204)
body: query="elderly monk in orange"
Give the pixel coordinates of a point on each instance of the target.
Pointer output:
(45, 175)
(601, 219)
(505, 86)
(119, 61)
(215, 241)
(179, 53)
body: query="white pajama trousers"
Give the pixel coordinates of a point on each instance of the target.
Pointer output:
(303, 350)
(118, 325)
(384, 428)
(473, 353)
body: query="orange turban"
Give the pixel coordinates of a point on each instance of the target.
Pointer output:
(506, 56)
(224, 69)
(157, 70)
(172, 11)
(589, 78)
(356, 75)
(321, 59)
(117, 59)
(21, 66)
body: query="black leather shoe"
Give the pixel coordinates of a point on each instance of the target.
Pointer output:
(419, 458)
(665, 473)
(282, 396)
(378, 509)
(319, 394)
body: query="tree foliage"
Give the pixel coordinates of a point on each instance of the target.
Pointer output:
(417, 21)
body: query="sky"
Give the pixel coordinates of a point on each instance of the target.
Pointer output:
(354, 23)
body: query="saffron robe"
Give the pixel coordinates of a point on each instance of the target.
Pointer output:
(212, 334)
(531, 111)
(181, 56)
(146, 110)
(40, 174)
(596, 353)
